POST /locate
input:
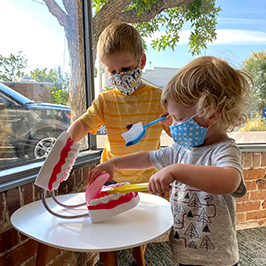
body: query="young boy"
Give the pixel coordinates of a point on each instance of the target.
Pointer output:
(206, 99)
(121, 51)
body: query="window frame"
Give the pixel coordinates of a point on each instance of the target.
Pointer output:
(27, 173)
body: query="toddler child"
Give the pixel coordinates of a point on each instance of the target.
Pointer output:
(206, 99)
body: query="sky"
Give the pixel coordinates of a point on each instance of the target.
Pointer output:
(33, 30)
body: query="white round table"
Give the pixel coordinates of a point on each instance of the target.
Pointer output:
(150, 219)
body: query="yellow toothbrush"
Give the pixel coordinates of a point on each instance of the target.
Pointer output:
(126, 188)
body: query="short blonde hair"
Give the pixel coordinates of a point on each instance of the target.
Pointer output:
(120, 37)
(210, 84)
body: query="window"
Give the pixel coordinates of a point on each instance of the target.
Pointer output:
(44, 58)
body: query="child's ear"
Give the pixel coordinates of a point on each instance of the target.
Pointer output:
(213, 119)
(143, 61)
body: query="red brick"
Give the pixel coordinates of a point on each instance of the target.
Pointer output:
(245, 198)
(256, 215)
(256, 159)
(247, 160)
(38, 191)
(31, 261)
(262, 222)
(261, 183)
(264, 204)
(70, 183)
(12, 200)
(52, 253)
(27, 193)
(240, 217)
(263, 159)
(2, 208)
(251, 185)
(248, 206)
(63, 258)
(78, 179)
(20, 254)
(22, 237)
(258, 195)
(254, 174)
(8, 239)
(62, 189)
(86, 170)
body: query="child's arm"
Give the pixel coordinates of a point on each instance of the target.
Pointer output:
(138, 160)
(78, 130)
(211, 179)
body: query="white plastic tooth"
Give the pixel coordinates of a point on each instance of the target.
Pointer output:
(94, 202)
(115, 196)
(105, 199)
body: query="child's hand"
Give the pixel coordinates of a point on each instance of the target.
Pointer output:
(167, 121)
(161, 180)
(107, 166)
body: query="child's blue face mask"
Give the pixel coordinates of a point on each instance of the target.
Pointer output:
(127, 82)
(188, 134)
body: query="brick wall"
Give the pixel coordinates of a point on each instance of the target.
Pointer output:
(251, 209)
(17, 249)
(36, 91)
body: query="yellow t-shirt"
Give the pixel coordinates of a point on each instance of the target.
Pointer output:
(116, 111)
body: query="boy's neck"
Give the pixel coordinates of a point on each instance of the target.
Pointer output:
(214, 136)
(141, 85)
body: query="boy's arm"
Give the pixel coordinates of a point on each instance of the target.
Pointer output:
(78, 130)
(138, 160)
(211, 179)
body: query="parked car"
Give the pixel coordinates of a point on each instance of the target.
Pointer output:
(31, 127)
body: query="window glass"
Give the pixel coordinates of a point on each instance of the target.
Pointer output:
(41, 77)
(241, 39)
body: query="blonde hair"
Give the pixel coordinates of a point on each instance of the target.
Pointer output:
(120, 37)
(210, 84)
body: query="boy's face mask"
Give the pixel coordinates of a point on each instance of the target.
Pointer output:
(127, 82)
(188, 134)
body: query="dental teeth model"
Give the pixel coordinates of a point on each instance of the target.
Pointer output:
(102, 205)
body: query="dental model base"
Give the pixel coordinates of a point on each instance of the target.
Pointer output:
(103, 205)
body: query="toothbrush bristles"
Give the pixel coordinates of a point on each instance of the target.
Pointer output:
(134, 132)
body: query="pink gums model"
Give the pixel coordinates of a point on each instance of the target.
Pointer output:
(102, 206)
(58, 163)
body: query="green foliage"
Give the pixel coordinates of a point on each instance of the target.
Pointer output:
(11, 67)
(258, 123)
(256, 66)
(59, 96)
(201, 15)
(59, 83)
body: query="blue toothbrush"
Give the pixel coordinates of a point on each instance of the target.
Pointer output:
(138, 131)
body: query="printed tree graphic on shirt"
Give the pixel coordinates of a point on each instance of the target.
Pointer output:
(192, 244)
(203, 217)
(206, 244)
(194, 202)
(191, 231)
(177, 220)
(179, 209)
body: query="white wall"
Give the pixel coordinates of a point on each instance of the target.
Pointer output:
(159, 75)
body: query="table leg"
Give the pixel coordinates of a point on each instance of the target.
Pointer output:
(108, 258)
(41, 254)
(138, 254)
